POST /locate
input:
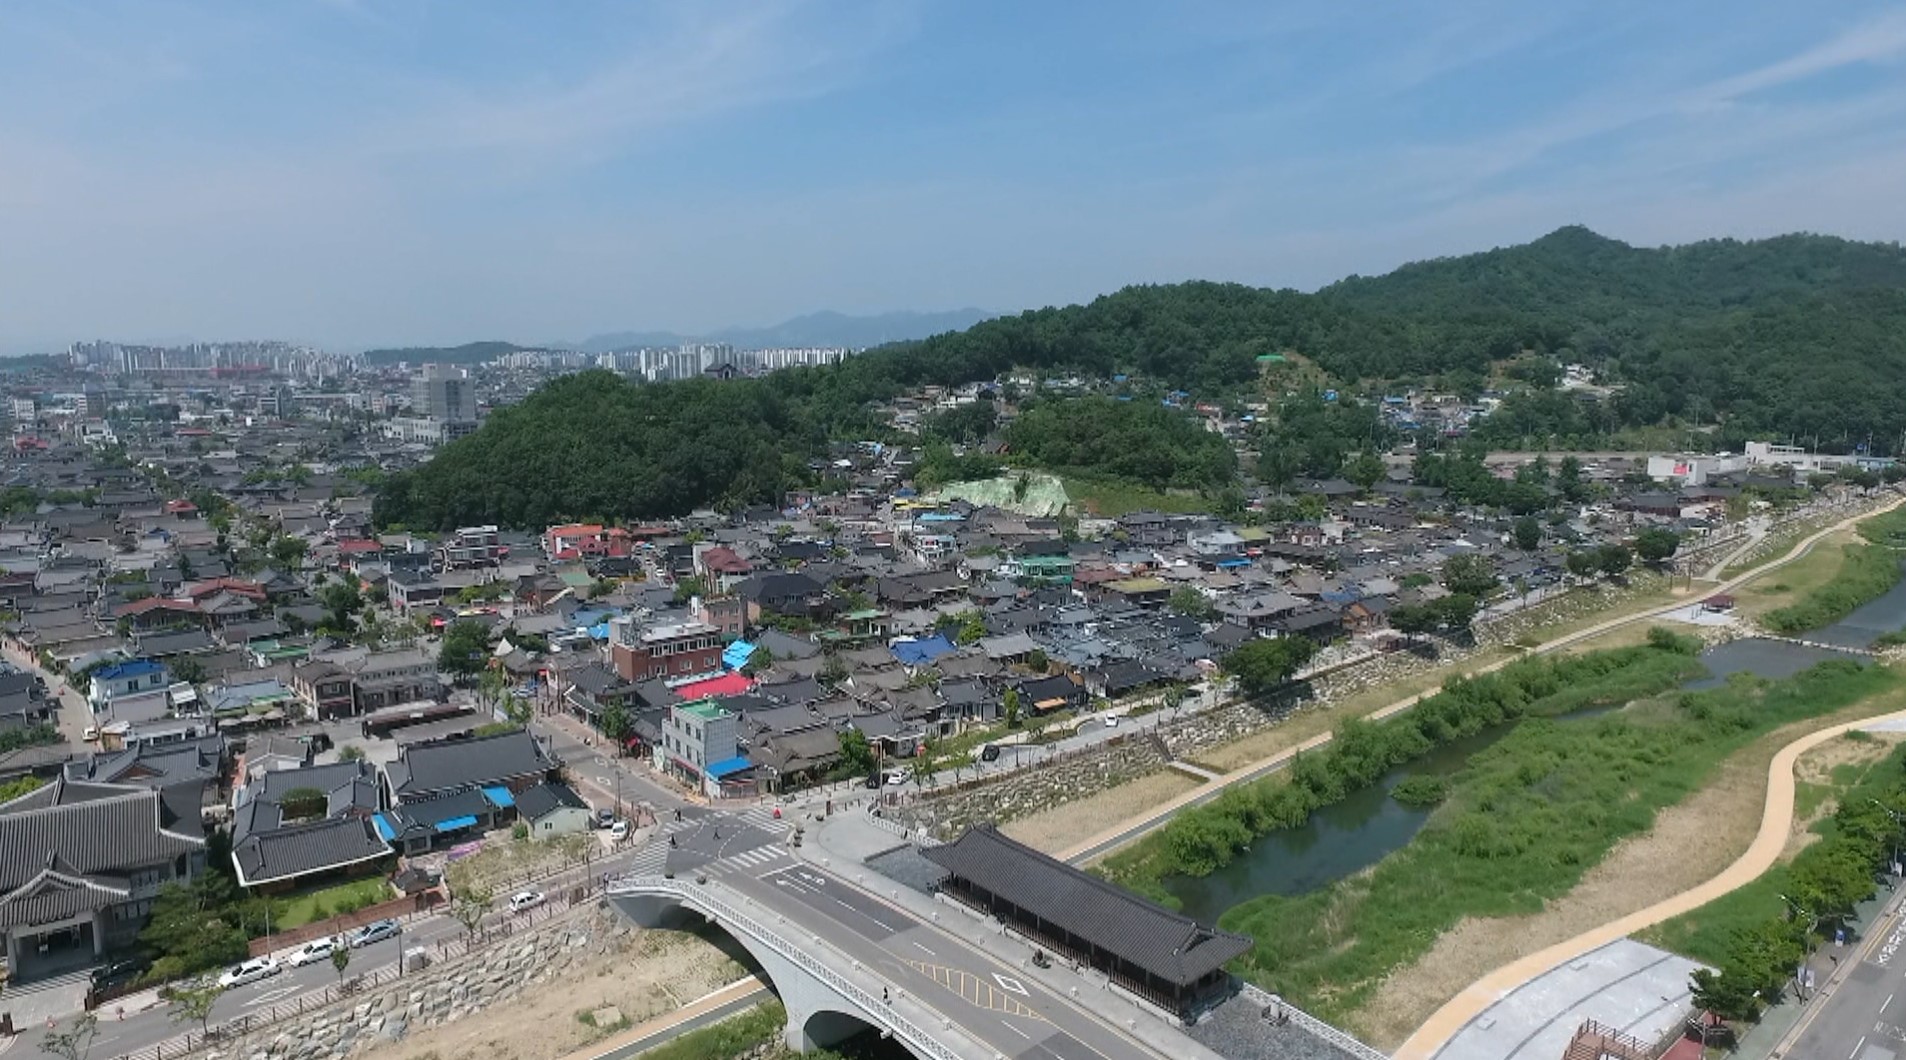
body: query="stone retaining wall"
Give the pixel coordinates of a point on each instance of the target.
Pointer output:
(442, 994)
(1030, 790)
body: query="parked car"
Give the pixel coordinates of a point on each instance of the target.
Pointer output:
(989, 753)
(896, 777)
(375, 932)
(249, 972)
(1111, 721)
(314, 951)
(605, 817)
(619, 831)
(524, 900)
(120, 972)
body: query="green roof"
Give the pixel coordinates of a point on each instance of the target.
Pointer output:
(703, 709)
(856, 616)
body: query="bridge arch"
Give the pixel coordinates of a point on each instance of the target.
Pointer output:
(820, 1013)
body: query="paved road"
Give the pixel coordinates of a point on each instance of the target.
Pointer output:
(940, 976)
(1865, 1017)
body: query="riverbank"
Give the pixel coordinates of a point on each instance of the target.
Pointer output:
(1690, 842)
(1523, 825)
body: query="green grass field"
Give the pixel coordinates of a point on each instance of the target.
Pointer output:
(297, 910)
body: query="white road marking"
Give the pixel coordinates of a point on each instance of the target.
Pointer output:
(272, 995)
(1883, 1004)
(924, 950)
(1015, 1030)
(1857, 1046)
(1011, 985)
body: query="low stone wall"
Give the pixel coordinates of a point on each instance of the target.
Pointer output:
(1041, 787)
(438, 995)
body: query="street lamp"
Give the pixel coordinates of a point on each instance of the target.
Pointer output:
(1812, 923)
(1899, 822)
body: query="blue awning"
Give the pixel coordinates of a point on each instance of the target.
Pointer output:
(499, 796)
(735, 656)
(1227, 564)
(384, 830)
(455, 823)
(728, 766)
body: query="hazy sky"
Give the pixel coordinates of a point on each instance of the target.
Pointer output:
(351, 173)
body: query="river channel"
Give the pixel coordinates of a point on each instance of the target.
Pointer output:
(1368, 826)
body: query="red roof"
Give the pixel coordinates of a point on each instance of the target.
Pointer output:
(725, 685)
(176, 507)
(154, 603)
(358, 546)
(213, 586)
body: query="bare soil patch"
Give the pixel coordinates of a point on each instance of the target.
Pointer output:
(1690, 842)
(642, 976)
(1065, 826)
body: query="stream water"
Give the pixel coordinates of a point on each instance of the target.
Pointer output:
(1363, 829)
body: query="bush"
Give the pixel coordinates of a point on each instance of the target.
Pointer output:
(1421, 791)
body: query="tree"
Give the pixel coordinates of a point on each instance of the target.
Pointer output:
(1583, 564)
(856, 754)
(1036, 661)
(1457, 610)
(1009, 706)
(1528, 533)
(1188, 601)
(759, 661)
(1613, 559)
(288, 551)
(187, 669)
(469, 904)
(350, 752)
(74, 1043)
(1264, 664)
(689, 588)
(466, 646)
(1656, 545)
(340, 959)
(1728, 996)
(614, 724)
(192, 1003)
(833, 670)
(1413, 620)
(341, 601)
(192, 927)
(1365, 469)
(1472, 574)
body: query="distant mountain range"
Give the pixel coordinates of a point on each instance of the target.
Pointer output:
(825, 328)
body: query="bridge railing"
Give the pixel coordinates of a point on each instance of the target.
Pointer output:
(702, 895)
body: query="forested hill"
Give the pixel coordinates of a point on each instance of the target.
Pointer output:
(1799, 336)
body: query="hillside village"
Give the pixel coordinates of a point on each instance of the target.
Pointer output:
(193, 644)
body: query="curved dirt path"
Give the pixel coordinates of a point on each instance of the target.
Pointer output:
(1125, 832)
(1776, 823)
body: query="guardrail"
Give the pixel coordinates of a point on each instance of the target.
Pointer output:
(734, 919)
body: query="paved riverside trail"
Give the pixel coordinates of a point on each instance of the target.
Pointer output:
(1776, 822)
(1121, 834)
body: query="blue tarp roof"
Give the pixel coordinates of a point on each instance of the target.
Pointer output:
(384, 830)
(599, 632)
(728, 766)
(922, 651)
(499, 796)
(735, 656)
(1226, 564)
(455, 823)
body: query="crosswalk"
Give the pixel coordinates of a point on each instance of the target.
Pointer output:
(752, 861)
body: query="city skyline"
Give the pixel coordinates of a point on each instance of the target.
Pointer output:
(350, 175)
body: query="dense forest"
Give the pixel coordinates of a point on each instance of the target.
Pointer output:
(1799, 337)
(1143, 443)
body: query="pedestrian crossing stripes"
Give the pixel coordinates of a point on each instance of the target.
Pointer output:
(751, 859)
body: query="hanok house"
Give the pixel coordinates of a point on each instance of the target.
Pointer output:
(294, 826)
(1168, 959)
(80, 863)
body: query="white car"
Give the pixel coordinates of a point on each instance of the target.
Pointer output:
(313, 952)
(1111, 721)
(522, 900)
(249, 972)
(619, 831)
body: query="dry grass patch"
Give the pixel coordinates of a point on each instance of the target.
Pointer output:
(1690, 843)
(649, 974)
(1066, 826)
(1783, 585)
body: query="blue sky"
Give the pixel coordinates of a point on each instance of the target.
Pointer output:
(353, 173)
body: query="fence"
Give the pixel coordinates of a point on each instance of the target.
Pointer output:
(421, 902)
(504, 927)
(734, 919)
(1313, 1026)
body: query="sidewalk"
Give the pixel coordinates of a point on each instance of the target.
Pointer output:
(1781, 1024)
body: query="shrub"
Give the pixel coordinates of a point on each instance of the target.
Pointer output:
(1421, 791)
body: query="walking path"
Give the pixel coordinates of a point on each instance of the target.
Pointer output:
(1119, 835)
(1776, 822)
